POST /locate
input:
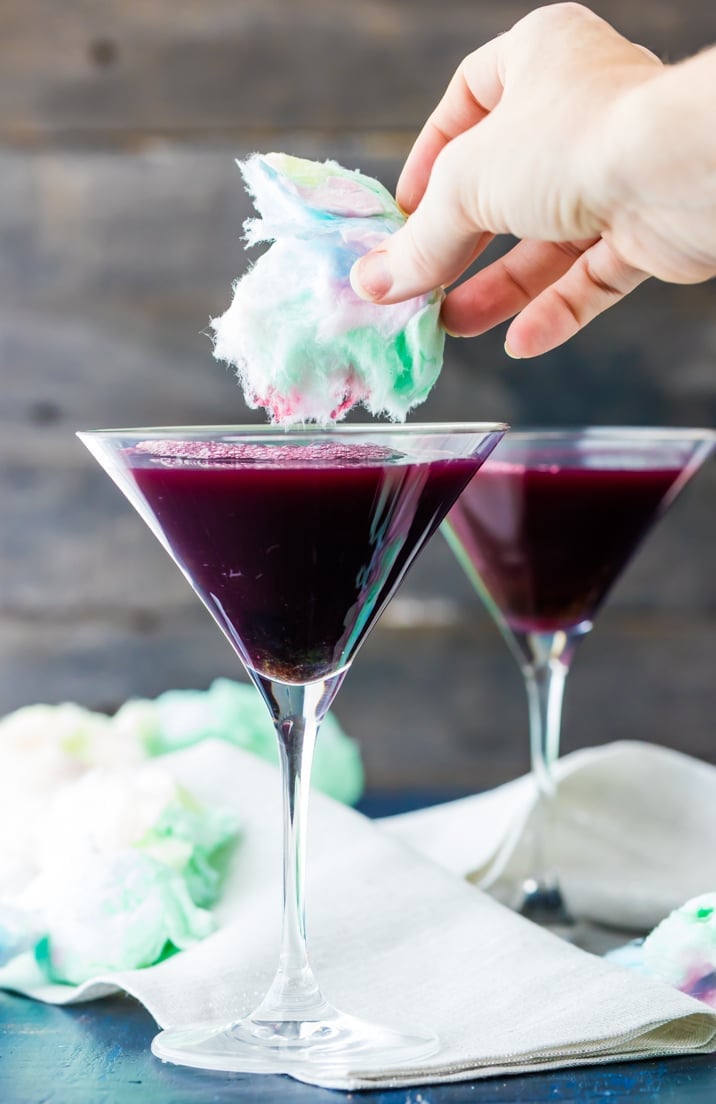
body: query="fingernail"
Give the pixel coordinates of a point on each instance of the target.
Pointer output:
(370, 276)
(514, 356)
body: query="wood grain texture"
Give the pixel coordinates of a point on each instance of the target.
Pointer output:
(99, 1054)
(123, 69)
(120, 220)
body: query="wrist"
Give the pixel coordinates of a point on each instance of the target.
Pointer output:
(628, 146)
(661, 134)
(660, 182)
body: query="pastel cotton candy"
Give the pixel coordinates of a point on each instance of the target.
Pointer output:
(17, 932)
(681, 950)
(305, 346)
(43, 745)
(107, 863)
(117, 911)
(106, 812)
(101, 867)
(233, 711)
(189, 838)
(44, 748)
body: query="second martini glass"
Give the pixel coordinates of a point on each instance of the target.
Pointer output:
(295, 541)
(543, 533)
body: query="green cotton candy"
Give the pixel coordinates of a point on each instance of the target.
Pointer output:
(188, 838)
(235, 712)
(118, 911)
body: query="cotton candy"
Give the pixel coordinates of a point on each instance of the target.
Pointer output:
(117, 911)
(106, 862)
(234, 711)
(681, 950)
(107, 811)
(102, 867)
(42, 749)
(305, 346)
(18, 932)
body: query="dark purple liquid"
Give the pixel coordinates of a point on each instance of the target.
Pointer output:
(297, 558)
(548, 542)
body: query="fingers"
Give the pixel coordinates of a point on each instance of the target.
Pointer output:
(503, 288)
(554, 289)
(436, 244)
(472, 93)
(597, 280)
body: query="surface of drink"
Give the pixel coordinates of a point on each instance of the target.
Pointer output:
(295, 550)
(548, 540)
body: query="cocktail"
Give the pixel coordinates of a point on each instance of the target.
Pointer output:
(295, 541)
(543, 533)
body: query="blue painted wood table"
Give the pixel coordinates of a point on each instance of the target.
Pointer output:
(99, 1054)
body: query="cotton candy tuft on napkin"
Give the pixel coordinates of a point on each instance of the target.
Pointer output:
(681, 950)
(106, 862)
(234, 712)
(112, 869)
(305, 346)
(118, 911)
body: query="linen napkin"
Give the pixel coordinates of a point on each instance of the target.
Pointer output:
(396, 939)
(632, 833)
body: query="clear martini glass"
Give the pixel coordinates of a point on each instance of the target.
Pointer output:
(543, 534)
(295, 541)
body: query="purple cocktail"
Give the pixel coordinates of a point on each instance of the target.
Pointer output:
(549, 540)
(544, 531)
(296, 551)
(295, 541)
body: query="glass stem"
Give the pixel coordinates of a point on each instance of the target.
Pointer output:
(548, 656)
(297, 711)
(545, 691)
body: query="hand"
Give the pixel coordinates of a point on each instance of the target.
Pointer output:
(556, 132)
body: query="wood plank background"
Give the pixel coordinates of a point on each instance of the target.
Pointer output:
(120, 219)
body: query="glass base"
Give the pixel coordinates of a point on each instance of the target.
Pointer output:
(543, 903)
(335, 1044)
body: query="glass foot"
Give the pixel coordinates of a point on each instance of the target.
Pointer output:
(543, 903)
(335, 1043)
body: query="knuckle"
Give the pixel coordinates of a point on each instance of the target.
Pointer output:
(517, 282)
(607, 272)
(573, 250)
(554, 16)
(568, 306)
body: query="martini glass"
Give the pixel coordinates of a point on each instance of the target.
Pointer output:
(543, 533)
(295, 541)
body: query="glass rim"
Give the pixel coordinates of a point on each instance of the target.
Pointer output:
(283, 432)
(613, 432)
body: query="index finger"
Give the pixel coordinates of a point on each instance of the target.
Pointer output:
(474, 90)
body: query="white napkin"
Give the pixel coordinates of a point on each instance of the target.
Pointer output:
(398, 940)
(633, 833)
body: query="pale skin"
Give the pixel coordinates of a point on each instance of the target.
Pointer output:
(600, 159)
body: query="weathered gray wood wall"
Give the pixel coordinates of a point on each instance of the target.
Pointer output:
(120, 214)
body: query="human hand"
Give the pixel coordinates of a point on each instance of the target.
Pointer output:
(555, 132)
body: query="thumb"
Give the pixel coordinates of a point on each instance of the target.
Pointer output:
(434, 247)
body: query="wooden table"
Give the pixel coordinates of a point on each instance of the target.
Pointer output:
(99, 1054)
